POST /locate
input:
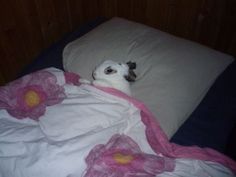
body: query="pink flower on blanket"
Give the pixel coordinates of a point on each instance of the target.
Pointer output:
(121, 156)
(28, 96)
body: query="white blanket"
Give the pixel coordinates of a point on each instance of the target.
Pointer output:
(57, 145)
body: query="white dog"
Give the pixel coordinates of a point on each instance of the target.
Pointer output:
(114, 75)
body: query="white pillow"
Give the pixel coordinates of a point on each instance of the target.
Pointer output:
(174, 74)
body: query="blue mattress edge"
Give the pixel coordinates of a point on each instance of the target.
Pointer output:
(213, 122)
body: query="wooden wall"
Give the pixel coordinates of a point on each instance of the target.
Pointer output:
(29, 26)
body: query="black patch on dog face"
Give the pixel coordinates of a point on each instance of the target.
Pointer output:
(131, 65)
(109, 70)
(131, 76)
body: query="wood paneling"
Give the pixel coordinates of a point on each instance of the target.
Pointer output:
(107, 8)
(53, 21)
(29, 26)
(2, 80)
(75, 12)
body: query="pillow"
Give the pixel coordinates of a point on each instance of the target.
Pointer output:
(173, 74)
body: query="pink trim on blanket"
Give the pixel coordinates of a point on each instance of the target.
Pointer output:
(160, 143)
(72, 78)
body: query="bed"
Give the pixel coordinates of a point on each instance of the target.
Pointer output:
(190, 92)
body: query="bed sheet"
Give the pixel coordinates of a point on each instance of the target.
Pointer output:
(209, 125)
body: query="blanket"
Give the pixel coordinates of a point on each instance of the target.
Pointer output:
(51, 125)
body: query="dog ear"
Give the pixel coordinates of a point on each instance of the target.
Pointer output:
(131, 65)
(109, 70)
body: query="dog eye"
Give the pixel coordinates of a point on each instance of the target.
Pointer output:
(109, 70)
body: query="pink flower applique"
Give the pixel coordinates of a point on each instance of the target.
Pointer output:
(29, 96)
(122, 157)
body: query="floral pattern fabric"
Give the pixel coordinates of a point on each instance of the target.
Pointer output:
(122, 157)
(29, 96)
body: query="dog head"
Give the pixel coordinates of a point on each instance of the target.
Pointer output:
(110, 70)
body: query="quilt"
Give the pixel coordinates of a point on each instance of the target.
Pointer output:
(51, 125)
